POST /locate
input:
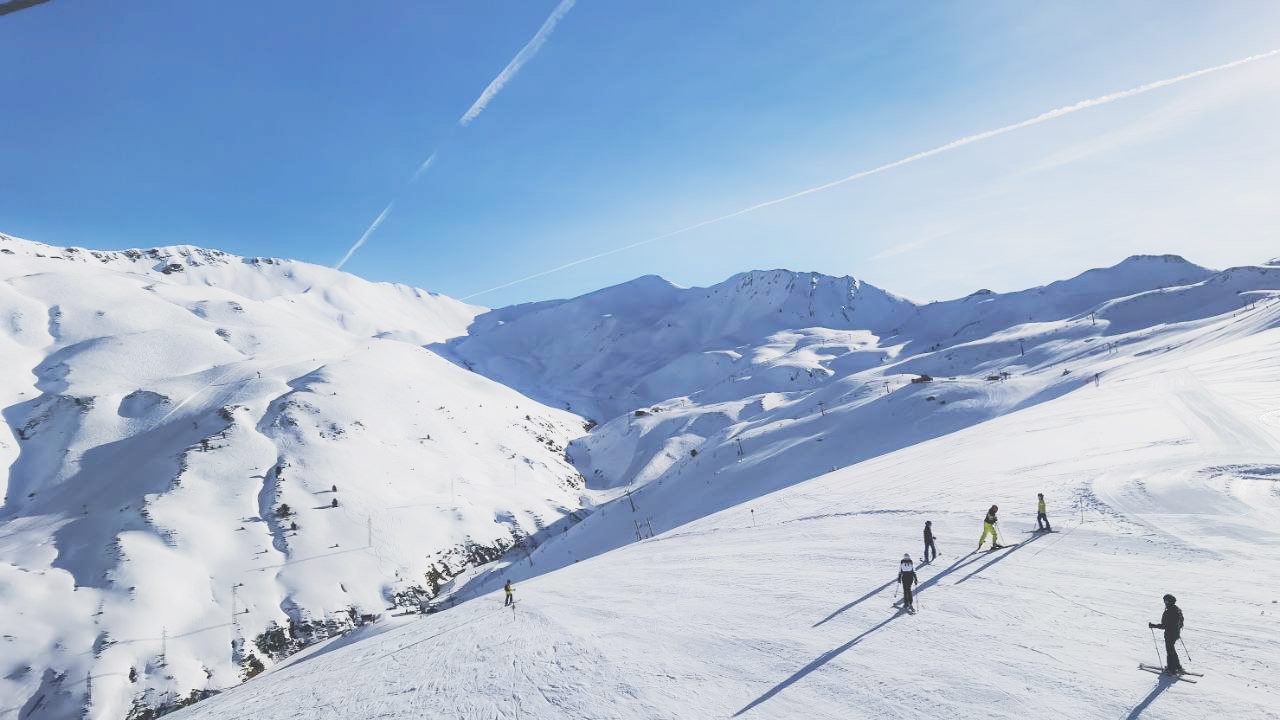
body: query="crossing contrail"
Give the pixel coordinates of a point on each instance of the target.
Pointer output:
(967, 140)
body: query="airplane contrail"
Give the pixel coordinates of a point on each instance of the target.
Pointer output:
(530, 49)
(490, 91)
(961, 142)
(374, 226)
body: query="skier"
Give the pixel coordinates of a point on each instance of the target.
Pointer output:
(907, 576)
(1171, 623)
(928, 541)
(989, 528)
(1041, 517)
(510, 598)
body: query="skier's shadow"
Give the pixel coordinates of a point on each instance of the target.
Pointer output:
(962, 562)
(860, 600)
(818, 662)
(1002, 556)
(927, 583)
(1162, 684)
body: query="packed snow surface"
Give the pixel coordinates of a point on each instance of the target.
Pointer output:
(1162, 478)
(759, 461)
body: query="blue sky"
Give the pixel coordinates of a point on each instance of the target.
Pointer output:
(284, 128)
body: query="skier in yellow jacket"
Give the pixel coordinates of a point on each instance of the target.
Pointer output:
(1042, 520)
(989, 528)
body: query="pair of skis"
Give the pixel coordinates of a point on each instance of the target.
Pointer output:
(1182, 676)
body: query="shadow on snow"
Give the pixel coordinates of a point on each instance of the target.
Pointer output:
(818, 662)
(1162, 683)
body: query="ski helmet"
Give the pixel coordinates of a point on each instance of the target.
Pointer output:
(1169, 599)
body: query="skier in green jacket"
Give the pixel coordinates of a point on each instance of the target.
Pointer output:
(989, 528)
(1041, 517)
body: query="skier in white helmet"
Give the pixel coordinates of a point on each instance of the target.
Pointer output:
(907, 576)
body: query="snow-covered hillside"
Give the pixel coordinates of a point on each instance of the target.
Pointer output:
(763, 582)
(760, 459)
(203, 447)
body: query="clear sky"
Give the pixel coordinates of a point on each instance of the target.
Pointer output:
(285, 127)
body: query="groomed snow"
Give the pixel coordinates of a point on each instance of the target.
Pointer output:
(754, 579)
(1163, 478)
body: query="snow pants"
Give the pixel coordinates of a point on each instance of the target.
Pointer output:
(1042, 518)
(509, 601)
(907, 600)
(1172, 662)
(989, 529)
(928, 546)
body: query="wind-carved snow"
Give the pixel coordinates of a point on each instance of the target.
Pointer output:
(759, 460)
(205, 447)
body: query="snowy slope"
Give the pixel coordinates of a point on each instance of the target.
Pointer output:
(767, 594)
(761, 456)
(178, 420)
(647, 340)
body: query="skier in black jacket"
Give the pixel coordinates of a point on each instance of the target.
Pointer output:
(907, 576)
(928, 541)
(1171, 623)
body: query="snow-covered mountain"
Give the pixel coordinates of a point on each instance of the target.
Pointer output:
(758, 454)
(748, 569)
(203, 448)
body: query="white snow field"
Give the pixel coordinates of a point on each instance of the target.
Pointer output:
(763, 582)
(165, 406)
(761, 462)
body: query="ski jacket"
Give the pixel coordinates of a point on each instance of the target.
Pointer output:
(907, 577)
(991, 518)
(1040, 507)
(1171, 622)
(928, 534)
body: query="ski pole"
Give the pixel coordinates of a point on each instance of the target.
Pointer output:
(1159, 661)
(1184, 648)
